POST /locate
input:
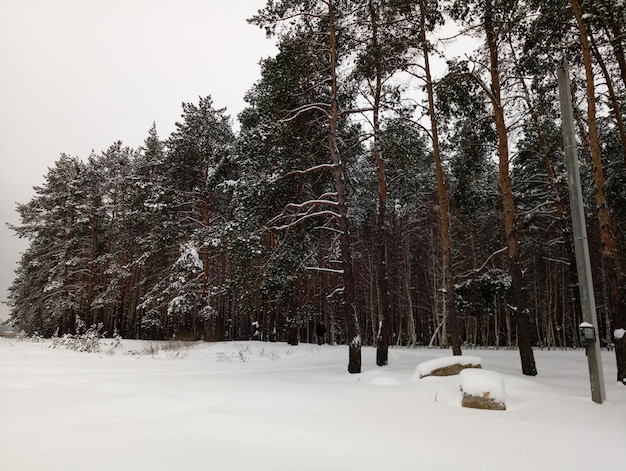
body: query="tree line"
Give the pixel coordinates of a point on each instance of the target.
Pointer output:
(400, 207)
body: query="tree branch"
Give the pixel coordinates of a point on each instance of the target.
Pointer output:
(323, 107)
(477, 270)
(301, 218)
(317, 168)
(330, 270)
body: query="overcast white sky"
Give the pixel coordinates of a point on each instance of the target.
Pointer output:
(78, 75)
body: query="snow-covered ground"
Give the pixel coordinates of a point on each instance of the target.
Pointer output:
(266, 406)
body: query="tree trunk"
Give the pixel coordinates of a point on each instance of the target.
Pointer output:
(442, 190)
(614, 276)
(205, 250)
(352, 321)
(508, 203)
(616, 36)
(615, 104)
(406, 257)
(382, 275)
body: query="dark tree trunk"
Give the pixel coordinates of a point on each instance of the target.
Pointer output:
(614, 275)
(615, 104)
(616, 36)
(508, 203)
(382, 266)
(349, 296)
(442, 191)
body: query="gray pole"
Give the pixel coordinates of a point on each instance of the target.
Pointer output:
(585, 281)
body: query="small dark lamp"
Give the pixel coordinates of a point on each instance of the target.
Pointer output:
(587, 334)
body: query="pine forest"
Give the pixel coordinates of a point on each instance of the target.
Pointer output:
(362, 185)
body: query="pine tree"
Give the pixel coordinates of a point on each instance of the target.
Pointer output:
(382, 51)
(495, 21)
(272, 147)
(50, 288)
(442, 187)
(323, 23)
(199, 161)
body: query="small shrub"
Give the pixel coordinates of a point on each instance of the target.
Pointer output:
(150, 349)
(223, 358)
(174, 349)
(117, 340)
(24, 337)
(273, 355)
(177, 345)
(244, 353)
(176, 354)
(88, 341)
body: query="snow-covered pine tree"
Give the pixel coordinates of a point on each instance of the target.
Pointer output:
(322, 25)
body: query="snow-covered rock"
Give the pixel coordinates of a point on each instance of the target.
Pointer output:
(482, 389)
(447, 366)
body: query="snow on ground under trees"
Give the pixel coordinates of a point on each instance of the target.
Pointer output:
(269, 406)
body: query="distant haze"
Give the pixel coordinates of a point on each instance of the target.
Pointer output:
(4, 312)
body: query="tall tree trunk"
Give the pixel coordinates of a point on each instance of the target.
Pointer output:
(508, 203)
(614, 276)
(204, 248)
(91, 280)
(615, 104)
(405, 248)
(382, 274)
(442, 190)
(349, 305)
(616, 36)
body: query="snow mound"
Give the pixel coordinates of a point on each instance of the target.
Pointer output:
(385, 381)
(482, 389)
(445, 366)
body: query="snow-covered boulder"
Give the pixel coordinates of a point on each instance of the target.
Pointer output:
(447, 366)
(482, 390)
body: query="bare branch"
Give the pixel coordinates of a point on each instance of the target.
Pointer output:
(331, 229)
(477, 270)
(556, 260)
(483, 85)
(357, 110)
(339, 290)
(317, 168)
(330, 270)
(312, 203)
(323, 107)
(301, 218)
(541, 205)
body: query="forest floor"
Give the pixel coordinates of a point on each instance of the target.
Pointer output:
(270, 406)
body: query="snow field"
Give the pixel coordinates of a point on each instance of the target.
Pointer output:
(264, 406)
